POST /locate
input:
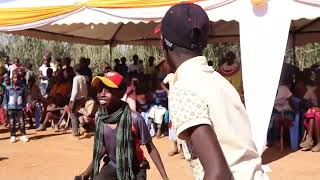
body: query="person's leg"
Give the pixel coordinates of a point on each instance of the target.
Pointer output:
(37, 113)
(43, 126)
(75, 124)
(308, 142)
(12, 125)
(158, 135)
(74, 119)
(181, 152)
(317, 133)
(175, 149)
(29, 116)
(107, 172)
(19, 117)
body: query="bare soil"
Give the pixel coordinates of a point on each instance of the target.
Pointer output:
(57, 156)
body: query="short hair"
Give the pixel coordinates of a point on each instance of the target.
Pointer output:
(66, 61)
(135, 57)
(77, 68)
(123, 59)
(29, 65)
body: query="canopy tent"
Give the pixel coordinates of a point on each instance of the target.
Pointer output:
(98, 22)
(263, 30)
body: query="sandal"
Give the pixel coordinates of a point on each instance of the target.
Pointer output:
(316, 148)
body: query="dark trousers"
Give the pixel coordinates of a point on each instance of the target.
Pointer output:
(108, 172)
(14, 117)
(74, 116)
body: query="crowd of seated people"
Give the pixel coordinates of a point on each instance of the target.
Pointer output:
(297, 107)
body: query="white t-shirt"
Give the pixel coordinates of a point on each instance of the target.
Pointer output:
(79, 88)
(43, 70)
(281, 102)
(133, 67)
(169, 79)
(12, 68)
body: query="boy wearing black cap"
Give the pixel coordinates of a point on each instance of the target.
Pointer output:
(118, 135)
(205, 109)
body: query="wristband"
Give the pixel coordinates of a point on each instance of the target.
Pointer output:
(166, 178)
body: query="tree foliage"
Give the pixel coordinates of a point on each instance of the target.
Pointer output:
(31, 50)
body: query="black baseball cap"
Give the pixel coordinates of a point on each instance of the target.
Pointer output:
(185, 25)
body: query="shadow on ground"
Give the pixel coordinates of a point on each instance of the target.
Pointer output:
(274, 154)
(3, 158)
(46, 135)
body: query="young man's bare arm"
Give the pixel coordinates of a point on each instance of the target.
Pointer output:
(207, 148)
(88, 172)
(155, 156)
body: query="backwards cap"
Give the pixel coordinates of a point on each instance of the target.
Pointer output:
(185, 25)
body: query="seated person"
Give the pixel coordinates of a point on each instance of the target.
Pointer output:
(61, 86)
(283, 111)
(312, 116)
(87, 115)
(53, 112)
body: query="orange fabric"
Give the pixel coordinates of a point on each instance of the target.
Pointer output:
(134, 3)
(62, 89)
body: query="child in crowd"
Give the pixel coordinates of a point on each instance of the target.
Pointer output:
(51, 81)
(14, 102)
(21, 73)
(7, 81)
(86, 115)
(34, 99)
(130, 94)
(43, 74)
(29, 72)
(159, 108)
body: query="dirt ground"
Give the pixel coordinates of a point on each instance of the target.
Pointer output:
(57, 156)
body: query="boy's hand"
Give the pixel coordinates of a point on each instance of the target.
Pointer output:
(83, 176)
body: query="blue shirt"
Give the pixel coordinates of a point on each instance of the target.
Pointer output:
(14, 98)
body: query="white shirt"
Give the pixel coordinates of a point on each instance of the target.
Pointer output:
(133, 67)
(201, 95)
(169, 79)
(43, 70)
(79, 88)
(12, 68)
(281, 102)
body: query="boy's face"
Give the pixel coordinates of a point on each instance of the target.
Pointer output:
(17, 61)
(45, 62)
(7, 80)
(20, 71)
(15, 79)
(108, 97)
